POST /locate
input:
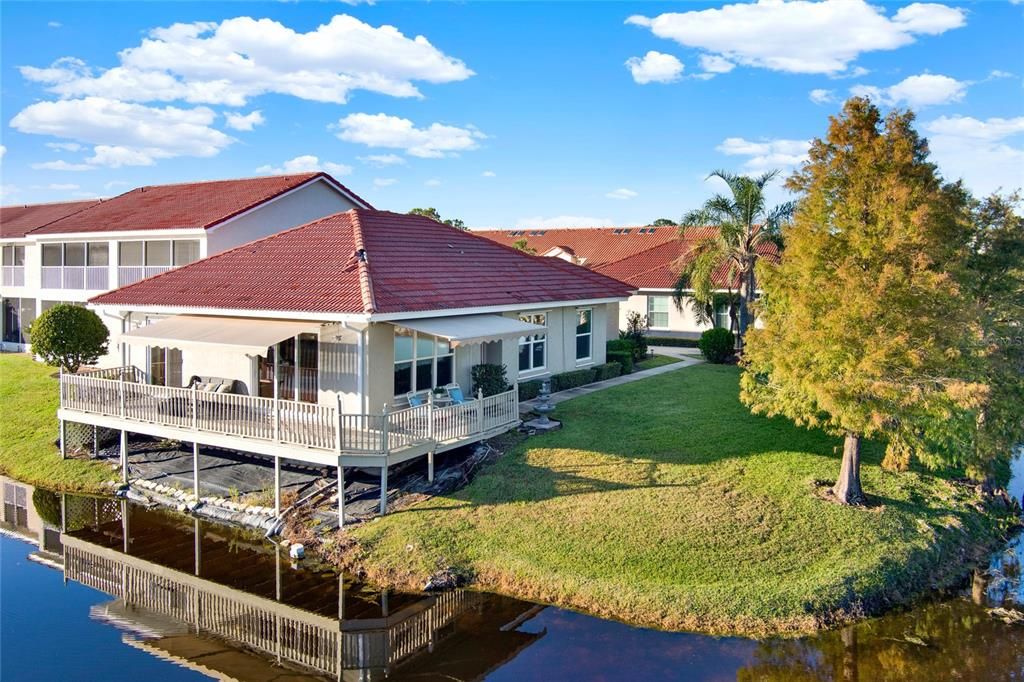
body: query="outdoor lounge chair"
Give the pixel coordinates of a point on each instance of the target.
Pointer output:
(417, 398)
(455, 394)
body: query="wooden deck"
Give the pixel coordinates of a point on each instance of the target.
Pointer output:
(308, 432)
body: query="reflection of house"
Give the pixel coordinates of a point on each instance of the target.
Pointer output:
(179, 582)
(21, 518)
(324, 343)
(69, 252)
(646, 258)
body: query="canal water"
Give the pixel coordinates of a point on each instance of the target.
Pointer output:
(139, 594)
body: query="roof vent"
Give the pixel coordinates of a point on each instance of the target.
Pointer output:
(360, 255)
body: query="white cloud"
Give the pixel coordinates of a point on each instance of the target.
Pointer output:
(655, 67)
(384, 182)
(822, 96)
(3, 151)
(923, 90)
(62, 165)
(244, 121)
(714, 64)
(54, 24)
(125, 133)
(800, 36)
(621, 193)
(64, 146)
(113, 184)
(765, 155)
(236, 59)
(382, 160)
(488, 174)
(381, 130)
(541, 223)
(305, 164)
(432, 182)
(57, 187)
(979, 151)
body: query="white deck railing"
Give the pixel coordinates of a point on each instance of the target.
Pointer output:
(130, 274)
(88, 277)
(14, 275)
(121, 392)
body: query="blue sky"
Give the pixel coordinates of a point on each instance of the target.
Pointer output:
(503, 114)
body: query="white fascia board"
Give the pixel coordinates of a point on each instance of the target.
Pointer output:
(516, 307)
(333, 185)
(228, 312)
(122, 235)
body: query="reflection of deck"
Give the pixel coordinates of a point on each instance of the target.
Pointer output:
(309, 432)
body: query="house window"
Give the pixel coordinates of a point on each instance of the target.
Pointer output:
(422, 361)
(131, 253)
(164, 366)
(185, 251)
(18, 315)
(722, 319)
(16, 504)
(533, 349)
(584, 333)
(14, 255)
(657, 311)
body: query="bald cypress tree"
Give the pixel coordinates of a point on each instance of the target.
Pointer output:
(867, 331)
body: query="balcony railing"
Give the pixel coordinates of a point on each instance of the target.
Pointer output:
(130, 274)
(88, 277)
(14, 275)
(118, 393)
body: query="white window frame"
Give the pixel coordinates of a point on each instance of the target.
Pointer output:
(589, 359)
(651, 312)
(415, 335)
(531, 340)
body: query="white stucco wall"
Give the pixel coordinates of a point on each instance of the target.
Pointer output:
(680, 322)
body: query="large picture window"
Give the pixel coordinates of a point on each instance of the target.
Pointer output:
(584, 334)
(657, 312)
(422, 361)
(533, 349)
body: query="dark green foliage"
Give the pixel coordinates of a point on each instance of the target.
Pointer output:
(433, 214)
(717, 345)
(672, 341)
(621, 345)
(490, 379)
(47, 505)
(567, 380)
(636, 331)
(69, 336)
(608, 370)
(624, 358)
(528, 390)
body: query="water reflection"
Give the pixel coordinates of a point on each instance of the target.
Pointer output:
(228, 605)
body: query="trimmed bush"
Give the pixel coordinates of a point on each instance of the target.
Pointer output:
(717, 345)
(623, 358)
(567, 380)
(636, 331)
(672, 341)
(528, 390)
(608, 370)
(490, 379)
(620, 345)
(69, 336)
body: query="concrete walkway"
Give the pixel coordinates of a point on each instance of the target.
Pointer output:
(688, 358)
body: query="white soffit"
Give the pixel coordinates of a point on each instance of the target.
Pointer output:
(197, 332)
(463, 330)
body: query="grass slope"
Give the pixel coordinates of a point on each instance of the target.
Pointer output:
(655, 361)
(666, 503)
(28, 430)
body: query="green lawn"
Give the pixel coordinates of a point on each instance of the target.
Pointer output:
(28, 430)
(655, 361)
(666, 503)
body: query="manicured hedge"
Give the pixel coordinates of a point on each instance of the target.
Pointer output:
(608, 370)
(717, 345)
(671, 341)
(567, 380)
(624, 358)
(528, 390)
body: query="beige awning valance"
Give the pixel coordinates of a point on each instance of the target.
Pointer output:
(464, 330)
(199, 332)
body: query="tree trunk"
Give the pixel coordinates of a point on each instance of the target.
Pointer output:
(747, 288)
(847, 489)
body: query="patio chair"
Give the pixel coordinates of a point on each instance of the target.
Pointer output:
(417, 398)
(455, 394)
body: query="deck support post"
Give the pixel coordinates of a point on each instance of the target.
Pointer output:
(124, 456)
(341, 495)
(277, 397)
(430, 436)
(95, 441)
(479, 411)
(277, 486)
(430, 465)
(384, 487)
(63, 440)
(195, 470)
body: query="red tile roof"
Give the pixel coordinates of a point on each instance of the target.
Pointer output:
(183, 205)
(412, 264)
(594, 246)
(17, 221)
(658, 267)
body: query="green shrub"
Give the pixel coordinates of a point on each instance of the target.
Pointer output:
(620, 345)
(567, 380)
(717, 345)
(623, 358)
(528, 390)
(69, 336)
(672, 341)
(636, 331)
(47, 505)
(608, 370)
(490, 379)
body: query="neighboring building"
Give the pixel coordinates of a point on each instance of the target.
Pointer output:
(646, 258)
(70, 252)
(307, 344)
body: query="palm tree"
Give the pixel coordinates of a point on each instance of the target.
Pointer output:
(743, 226)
